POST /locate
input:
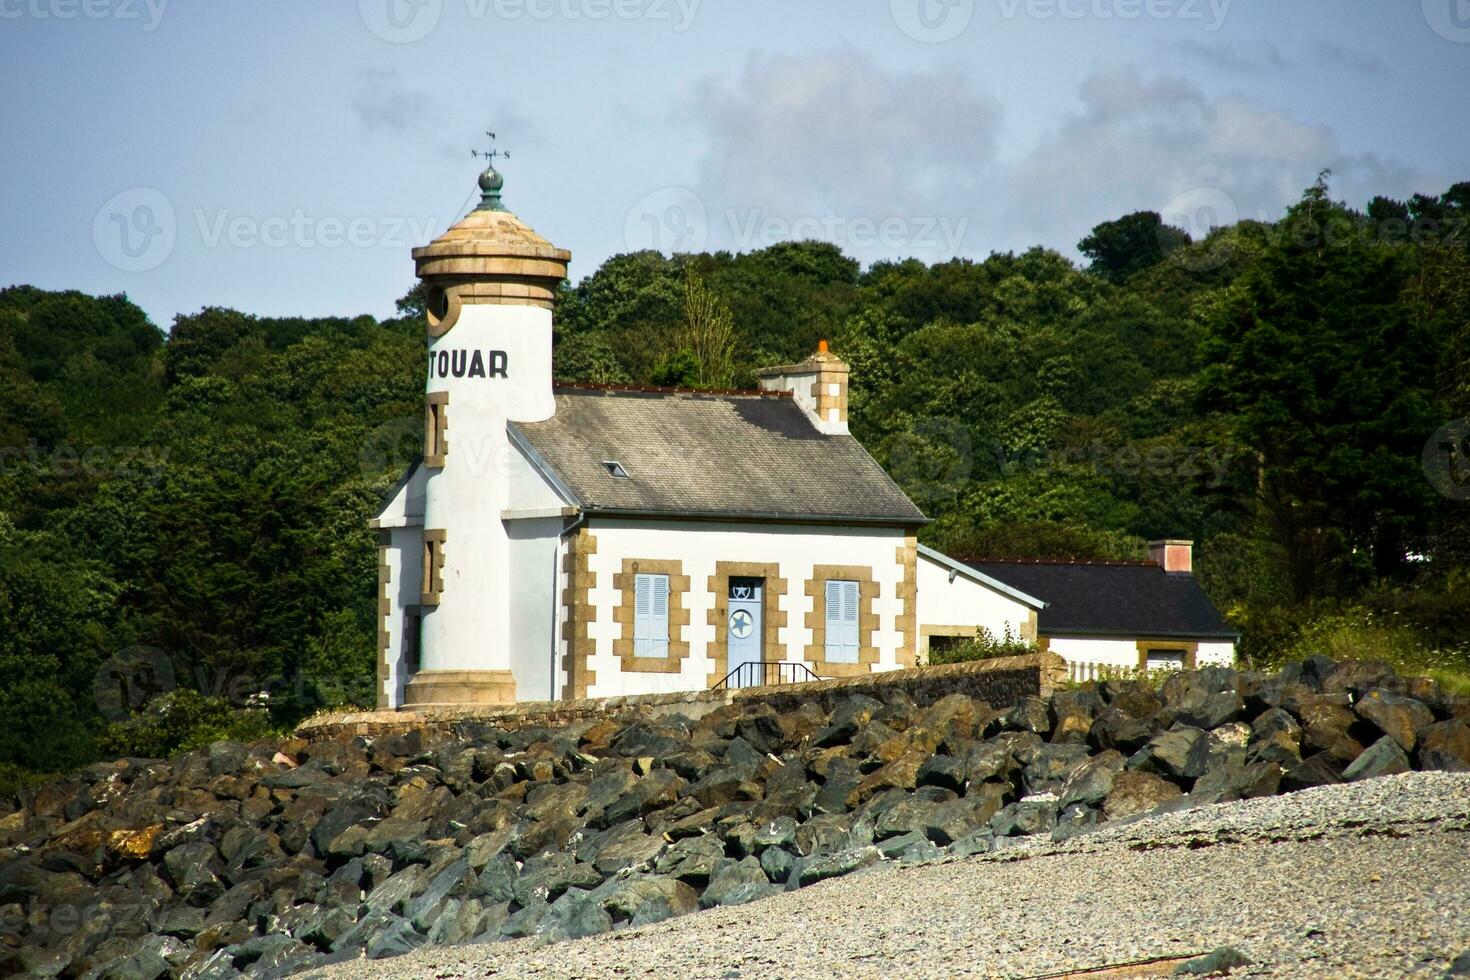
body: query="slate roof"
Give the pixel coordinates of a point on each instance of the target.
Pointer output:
(745, 456)
(1113, 599)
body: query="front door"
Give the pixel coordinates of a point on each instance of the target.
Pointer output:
(743, 631)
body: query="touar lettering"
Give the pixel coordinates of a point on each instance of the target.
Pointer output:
(464, 363)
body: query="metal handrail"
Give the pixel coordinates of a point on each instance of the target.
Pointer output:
(762, 671)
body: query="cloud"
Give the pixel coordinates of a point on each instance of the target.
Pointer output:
(1332, 55)
(381, 101)
(1230, 57)
(1255, 59)
(794, 137)
(1139, 144)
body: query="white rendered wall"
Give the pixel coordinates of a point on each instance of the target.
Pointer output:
(965, 602)
(1215, 654)
(1122, 653)
(698, 545)
(470, 627)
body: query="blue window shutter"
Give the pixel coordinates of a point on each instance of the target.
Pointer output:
(651, 615)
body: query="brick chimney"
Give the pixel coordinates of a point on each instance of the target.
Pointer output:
(1173, 554)
(819, 386)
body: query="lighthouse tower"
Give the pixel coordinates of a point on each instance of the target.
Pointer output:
(489, 283)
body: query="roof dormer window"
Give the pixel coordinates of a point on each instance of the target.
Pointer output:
(615, 469)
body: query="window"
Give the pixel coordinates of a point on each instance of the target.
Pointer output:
(615, 469)
(842, 621)
(436, 422)
(412, 621)
(433, 572)
(651, 615)
(1164, 660)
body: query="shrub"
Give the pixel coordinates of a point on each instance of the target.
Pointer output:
(1358, 633)
(182, 720)
(984, 645)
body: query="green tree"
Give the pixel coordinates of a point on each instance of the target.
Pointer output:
(1321, 371)
(1130, 244)
(707, 332)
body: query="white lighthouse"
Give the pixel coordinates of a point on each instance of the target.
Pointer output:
(489, 283)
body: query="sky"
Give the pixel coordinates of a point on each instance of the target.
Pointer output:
(282, 157)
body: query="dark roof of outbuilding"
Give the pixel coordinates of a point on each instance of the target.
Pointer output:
(1112, 598)
(746, 455)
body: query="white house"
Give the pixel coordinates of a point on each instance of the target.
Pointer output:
(561, 541)
(567, 541)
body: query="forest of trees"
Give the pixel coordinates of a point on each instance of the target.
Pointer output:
(187, 511)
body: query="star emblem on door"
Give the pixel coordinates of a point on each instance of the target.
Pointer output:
(741, 623)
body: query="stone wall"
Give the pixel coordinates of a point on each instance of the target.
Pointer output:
(1002, 682)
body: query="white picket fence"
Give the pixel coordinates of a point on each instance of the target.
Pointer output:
(1079, 673)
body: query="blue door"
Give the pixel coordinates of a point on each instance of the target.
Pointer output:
(743, 631)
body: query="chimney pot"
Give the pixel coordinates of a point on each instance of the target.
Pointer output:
(819, 386)
(1172, 554)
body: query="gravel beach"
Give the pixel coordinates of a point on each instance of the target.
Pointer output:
(1369, 879)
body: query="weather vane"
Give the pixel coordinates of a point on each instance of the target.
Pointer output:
(490, 181)
(489, 155)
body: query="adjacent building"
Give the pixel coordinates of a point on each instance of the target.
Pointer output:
(1108, 617)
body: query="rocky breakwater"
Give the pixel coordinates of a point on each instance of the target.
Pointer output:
(272, 858)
